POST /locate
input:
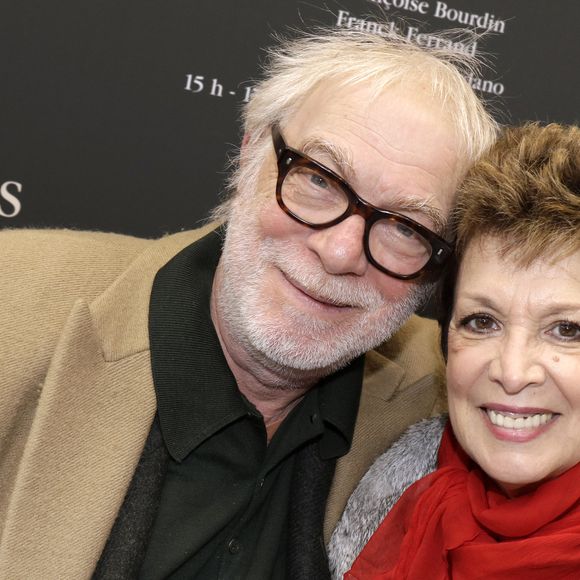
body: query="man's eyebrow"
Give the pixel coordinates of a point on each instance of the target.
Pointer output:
(316, 147)
(404, 203)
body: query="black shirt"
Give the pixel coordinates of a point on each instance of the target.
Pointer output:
(225, 498)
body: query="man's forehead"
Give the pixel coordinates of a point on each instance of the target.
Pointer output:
(336, 119)
(338, 95)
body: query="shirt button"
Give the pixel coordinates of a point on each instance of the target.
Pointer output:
(313, 418)
(260, 483)
(234, 546)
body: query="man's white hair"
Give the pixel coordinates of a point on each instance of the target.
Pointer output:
(295, 67)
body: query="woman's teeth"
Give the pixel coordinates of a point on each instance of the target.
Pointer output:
(513, 421)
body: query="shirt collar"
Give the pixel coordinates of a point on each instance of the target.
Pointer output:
(196, 391)
(339, 396)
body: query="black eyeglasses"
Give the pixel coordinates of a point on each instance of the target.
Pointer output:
(317, 197)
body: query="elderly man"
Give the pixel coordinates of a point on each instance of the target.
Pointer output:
(175, 409)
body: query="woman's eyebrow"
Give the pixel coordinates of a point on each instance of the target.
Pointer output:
(560, 308)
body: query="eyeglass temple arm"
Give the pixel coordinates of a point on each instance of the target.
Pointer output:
(279, 143)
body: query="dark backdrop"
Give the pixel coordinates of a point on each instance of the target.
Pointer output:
(119, 115)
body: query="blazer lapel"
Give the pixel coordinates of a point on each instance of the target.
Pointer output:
(403, 383)
(127, 544)
(87, 435)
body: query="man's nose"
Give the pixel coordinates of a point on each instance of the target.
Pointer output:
(517, 365)
(340, 247)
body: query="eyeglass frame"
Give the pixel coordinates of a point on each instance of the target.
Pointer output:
(288, 157)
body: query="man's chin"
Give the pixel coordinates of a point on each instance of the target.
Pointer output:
(304, 356)
(295, 374)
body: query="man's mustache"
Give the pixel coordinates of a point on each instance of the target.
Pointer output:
(340, 290)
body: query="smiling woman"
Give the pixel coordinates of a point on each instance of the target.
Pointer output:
(493, 491)
(514, 363)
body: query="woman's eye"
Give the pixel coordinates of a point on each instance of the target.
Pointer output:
(479, 323)
(565, 330)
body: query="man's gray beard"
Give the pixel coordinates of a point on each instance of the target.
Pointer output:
(299, 346)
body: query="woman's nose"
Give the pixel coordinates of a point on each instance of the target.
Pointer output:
(517, 365)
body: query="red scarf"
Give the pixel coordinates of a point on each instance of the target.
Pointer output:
(455, 523)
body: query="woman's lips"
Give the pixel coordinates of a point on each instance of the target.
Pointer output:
(517, 424)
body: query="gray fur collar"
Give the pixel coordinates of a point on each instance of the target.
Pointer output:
(411, 457)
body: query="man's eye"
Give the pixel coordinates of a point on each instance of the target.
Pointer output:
(405, 230)
(566, 331)
(479, 323)
(318, 181)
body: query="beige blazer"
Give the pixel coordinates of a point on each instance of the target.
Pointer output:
(77, 397)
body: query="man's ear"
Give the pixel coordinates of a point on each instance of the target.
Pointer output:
(245, 141)
(244, 148)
